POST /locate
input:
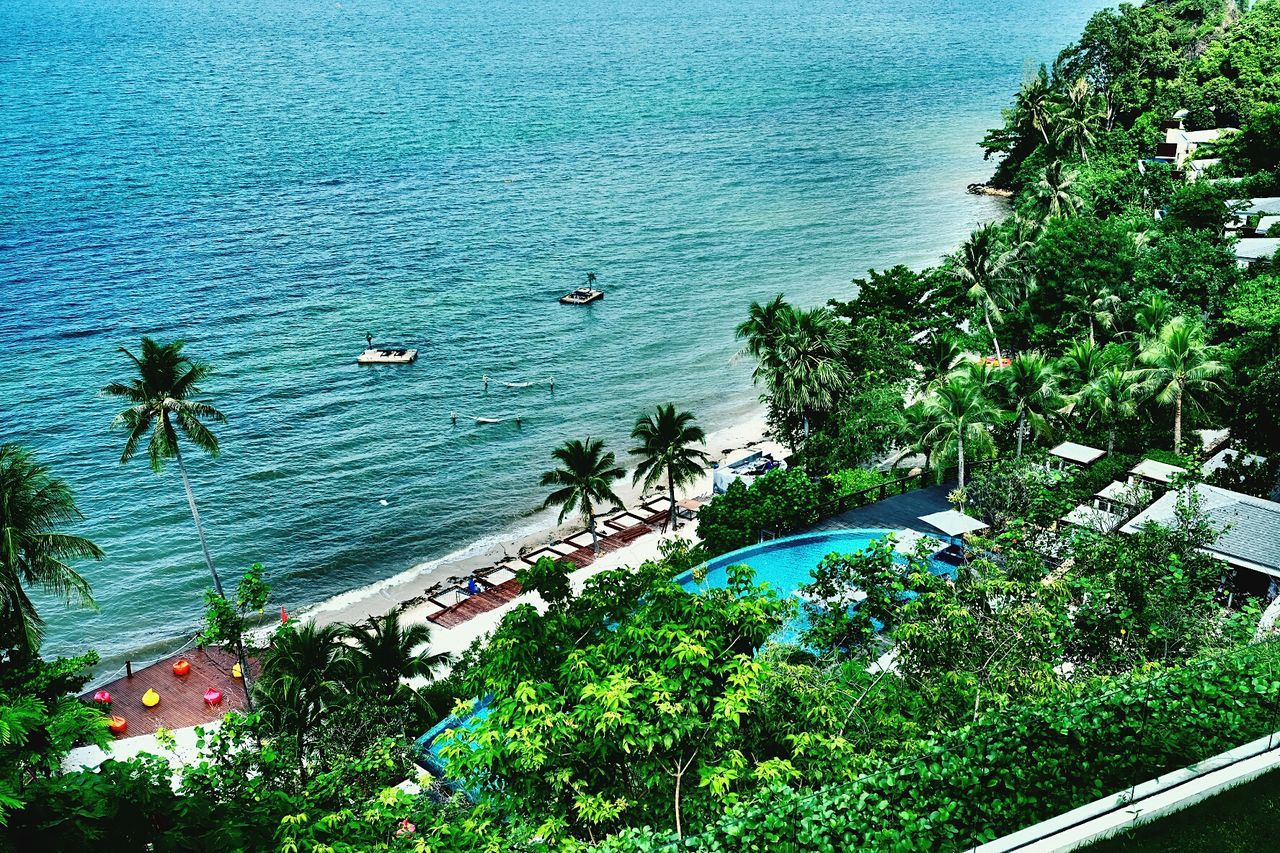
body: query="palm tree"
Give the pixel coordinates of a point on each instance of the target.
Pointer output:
(1053, 192)
(1180, 367)
(762, 325)
(980, 267)
(584, 478)
(385, 651)
(1035, 100)
(33, 504)
(1078, 367)
(161, 403)
(1113, 396)
(1094, 304)
(1030, 389)
(1078, 119)
(667, 440)
(299, 682)
(160, 398)
(1151, 317)
(940, 356)
(804, 368)
(955, 413)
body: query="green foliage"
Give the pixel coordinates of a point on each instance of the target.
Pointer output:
(780, 500)
(1018, 489)
(619, 724)
(549, 578)
(866, 426)
(225, 622)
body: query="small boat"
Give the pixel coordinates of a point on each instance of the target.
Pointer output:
(488, 420)
(581, 296)
(387, 356)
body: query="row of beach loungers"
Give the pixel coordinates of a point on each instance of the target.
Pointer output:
(489, 589)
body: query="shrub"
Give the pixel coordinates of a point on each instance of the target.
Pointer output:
(781, 500)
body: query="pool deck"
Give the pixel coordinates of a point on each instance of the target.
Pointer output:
(900, 512)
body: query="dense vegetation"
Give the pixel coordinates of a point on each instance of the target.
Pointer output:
(640, 713)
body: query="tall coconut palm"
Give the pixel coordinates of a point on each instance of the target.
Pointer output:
(162, 405)
(1030, 392)
(1112, 396)
(584, 479)
(384, 651)
(957, 414)
(981, 266)
(804, 368)
(300, 680)
(1181, 367)
(1053, 192)
(1035, 101)
(667, 448)
(1151, 317)
(33, 505)
(1093, 305)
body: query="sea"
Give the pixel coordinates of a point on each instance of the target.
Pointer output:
(270, 181)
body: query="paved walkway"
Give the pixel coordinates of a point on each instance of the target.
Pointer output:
(900, 512)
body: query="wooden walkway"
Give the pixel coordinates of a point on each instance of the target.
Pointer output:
(181, 697)
(900, 512)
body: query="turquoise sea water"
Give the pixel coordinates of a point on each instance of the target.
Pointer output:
(271, 180)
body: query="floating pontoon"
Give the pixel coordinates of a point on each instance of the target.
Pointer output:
(387, 356)
(582, 296)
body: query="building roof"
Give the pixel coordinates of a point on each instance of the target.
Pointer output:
(1202, 137)
(1261, 204)
(1256, 248)
(1266, 223)
(1225, 456)
(1123, 493)
(1079, 453)
(1089, 516)
(1250, 526)
(1160, 472)
(953, 522)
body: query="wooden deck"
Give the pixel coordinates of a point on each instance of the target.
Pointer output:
(181, 697)
(473, 606)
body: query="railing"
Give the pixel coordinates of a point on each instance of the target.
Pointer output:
(891, 488)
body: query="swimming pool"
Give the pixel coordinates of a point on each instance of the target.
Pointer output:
(787, 564)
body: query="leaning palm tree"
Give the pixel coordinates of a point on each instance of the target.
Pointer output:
(1053, 192)
(1112, 396)
(584, 479)
(162, 404)
(33, 505)
(1181, 366)
(1029, 387)
(667, 448)
(1035, 101)
(981, 266)
(955, 414)
(301, 679)
(383, 652)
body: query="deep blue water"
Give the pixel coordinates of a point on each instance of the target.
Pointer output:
(269, 180)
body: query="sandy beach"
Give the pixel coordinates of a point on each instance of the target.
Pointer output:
(407, 590)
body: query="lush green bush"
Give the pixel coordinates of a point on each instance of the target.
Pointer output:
(781, 500)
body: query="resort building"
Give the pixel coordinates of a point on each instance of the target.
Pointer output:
(1077, 455)
(1180, 144)
(1156, 474)
(1249, 540)
(1251, 249)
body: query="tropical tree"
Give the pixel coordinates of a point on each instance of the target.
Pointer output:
(584, 479)
(33, 552)
(666, 446)
(1094, 305)
(1078, 119)
(383, 651)
(1181, 367)
(301, 680)
(762, 326)
(1029, 386)
(981, 266)
(1112, 396)
(162, 403)
(955, 414)
(1035, 103)
(1152, 316)
(804, 368)
(1053, 192)
(940, 356)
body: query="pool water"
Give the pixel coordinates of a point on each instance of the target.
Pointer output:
(788, 564)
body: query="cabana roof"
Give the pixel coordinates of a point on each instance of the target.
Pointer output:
(953, 522)
(1088, 516)
(1159, 472)
(1081, 454)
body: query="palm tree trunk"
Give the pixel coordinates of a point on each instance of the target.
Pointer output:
(217, 582)
(1022, 422)
(986, 314)
(671, 492)
(591, 525)
(960, 457)
(1177, 423)
(1111, 441)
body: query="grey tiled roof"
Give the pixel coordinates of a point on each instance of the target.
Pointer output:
(1251, 526)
